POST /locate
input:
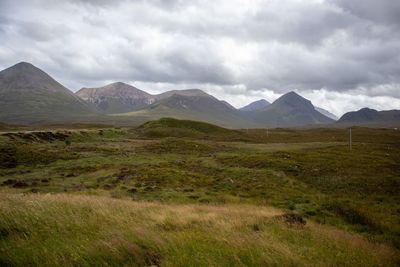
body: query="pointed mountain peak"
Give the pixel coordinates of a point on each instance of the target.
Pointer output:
(292, 95)
(256, 105)
(119, 85)
(25, 76)
(293, 99)
(110, 88)
(23, 67)
(30, 95)
(23, 64)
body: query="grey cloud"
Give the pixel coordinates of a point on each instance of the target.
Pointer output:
(382, 11)
(246, 47)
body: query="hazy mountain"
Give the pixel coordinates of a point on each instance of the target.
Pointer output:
(256, 105)
(367, 116)
(29, 95)
(289, 110)
(116, 97)
(201, 106)
(326, 113)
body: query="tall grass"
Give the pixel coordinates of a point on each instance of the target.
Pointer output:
(66, 230)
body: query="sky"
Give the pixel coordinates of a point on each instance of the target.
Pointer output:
(343, 55)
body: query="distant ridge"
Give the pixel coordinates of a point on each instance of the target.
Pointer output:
(202, 107)
(371, 117)
(256, 105)
(186, 92)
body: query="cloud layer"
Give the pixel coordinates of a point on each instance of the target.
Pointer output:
(341, 54)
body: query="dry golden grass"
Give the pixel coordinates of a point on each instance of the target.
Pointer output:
(63, 229)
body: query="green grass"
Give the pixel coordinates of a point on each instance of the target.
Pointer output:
(310, 172)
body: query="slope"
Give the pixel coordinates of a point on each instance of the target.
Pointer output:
(199, 107)
(371, 117)
(290, 110)
(116, 98)
(256, 105)
(29, 95)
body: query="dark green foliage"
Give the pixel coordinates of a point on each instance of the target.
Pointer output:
(169, 127)
(8, 155)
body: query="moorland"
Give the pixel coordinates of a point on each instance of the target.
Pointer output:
(184, 193)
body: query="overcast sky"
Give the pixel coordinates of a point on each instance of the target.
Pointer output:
(341, 54)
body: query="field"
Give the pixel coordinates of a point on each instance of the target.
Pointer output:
(183, 193)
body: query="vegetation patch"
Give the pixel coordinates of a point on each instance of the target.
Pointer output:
(323, 182)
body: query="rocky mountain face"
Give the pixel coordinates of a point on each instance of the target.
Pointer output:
(116, 98)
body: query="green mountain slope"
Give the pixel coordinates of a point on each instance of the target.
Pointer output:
(289, 110)
(29, 95)
(371, 117)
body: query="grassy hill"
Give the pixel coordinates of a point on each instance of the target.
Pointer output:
(29, 95)
(169, 127)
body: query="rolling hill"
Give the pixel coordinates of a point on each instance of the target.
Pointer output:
(169, 127)
(29, 95)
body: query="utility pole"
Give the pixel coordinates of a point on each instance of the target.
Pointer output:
(350, 137)
(267, 133)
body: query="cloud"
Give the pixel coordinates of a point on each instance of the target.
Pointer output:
(383, 11)
(239, 50)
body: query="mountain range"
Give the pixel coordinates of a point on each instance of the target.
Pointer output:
(30, 96)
